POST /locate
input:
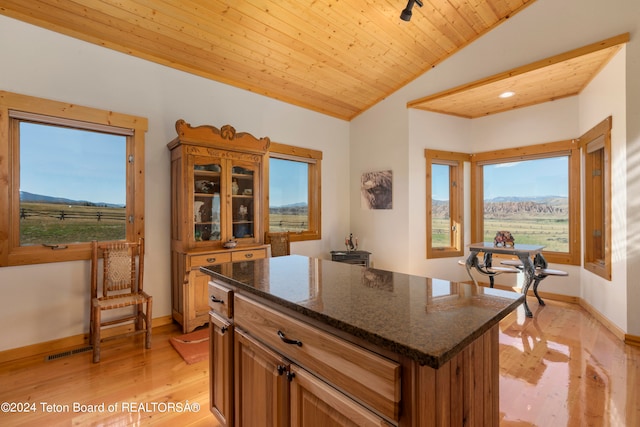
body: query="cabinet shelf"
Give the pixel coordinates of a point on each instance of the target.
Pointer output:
(206, 173)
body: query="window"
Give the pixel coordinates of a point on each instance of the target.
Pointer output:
(533, 192)
(445, 203)
(76, 175)
(294, 191)
(596, 151)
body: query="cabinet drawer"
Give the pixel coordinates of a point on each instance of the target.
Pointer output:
(366, 376)
(209, 259)
(221, 299)
(248, 255)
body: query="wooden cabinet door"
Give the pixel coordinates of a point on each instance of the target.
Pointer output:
(261, 384)
(197, 301)
(314, 403)
(221, 369)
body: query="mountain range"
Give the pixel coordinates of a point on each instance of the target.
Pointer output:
(39, 198)
(513, 206)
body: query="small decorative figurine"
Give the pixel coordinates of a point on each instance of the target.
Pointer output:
(242, 212)
(350, 243)
(504, 239)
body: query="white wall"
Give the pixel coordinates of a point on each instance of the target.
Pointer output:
(632, 214)
(50, 301)
(605, 96)
(385, 232)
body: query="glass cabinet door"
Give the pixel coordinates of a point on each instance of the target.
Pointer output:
(206, 199)
(243, 220)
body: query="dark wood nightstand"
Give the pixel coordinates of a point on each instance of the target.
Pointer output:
(351, 257)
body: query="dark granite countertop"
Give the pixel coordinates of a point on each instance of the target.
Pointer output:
(428, 320)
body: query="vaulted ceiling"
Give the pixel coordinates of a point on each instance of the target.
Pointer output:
(337, 57)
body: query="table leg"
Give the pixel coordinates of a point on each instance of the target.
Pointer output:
(472, 261)
(538, 263)
(529, 272)
(488, 259)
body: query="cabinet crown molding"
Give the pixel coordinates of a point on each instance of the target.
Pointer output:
(225, 137)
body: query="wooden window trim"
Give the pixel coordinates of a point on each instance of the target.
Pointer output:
(546, 150)
(11, 253)
(599, 137)
(314, 159)
(456, 201)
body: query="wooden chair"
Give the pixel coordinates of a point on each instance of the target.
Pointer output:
(280, 245)
(121, 286)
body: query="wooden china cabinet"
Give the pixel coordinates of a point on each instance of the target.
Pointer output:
(217, 180)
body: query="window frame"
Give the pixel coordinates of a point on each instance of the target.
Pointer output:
(532, 152)
(597, 200)
(12, 104)
(456, 201)
(313, 158)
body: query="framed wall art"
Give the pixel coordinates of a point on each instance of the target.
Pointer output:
(376, 189)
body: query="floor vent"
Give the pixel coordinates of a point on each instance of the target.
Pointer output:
(68, 353)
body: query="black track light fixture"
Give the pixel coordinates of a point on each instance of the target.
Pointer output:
(406, 13)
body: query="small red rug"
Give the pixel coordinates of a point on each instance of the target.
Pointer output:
(193, 347)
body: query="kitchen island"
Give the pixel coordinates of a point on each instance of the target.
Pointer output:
(305, 341)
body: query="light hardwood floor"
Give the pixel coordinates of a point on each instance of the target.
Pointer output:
(561, 368)
(127, 376)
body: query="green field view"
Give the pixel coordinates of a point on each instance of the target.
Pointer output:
(288, 222)
(552, 233)
(56, 223)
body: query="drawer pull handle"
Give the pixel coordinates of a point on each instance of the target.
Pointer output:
(248, 255)
(223, 330)
(211, 260)
(287, 340)
(214, 299)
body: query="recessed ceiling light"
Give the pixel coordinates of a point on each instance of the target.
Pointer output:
(507, 94)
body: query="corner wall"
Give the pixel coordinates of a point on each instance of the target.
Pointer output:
(544, 29)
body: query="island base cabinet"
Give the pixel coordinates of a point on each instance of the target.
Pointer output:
(272, 391)
(270, 369)
(221, 369)
(261, 385)
(463, 391)
(316, 404)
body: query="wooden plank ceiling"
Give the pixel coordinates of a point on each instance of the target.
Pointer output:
(337, 57)
(553, 78)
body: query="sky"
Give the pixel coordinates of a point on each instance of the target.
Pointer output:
(91, 166)
(530, 178)
(74, 164)
(288, 182)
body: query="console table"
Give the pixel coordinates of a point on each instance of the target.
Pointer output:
(351, 257)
